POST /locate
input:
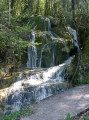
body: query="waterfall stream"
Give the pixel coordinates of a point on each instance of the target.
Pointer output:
(39, 83)
(74, 33)
(41, 55)
(32, 50)
(32, 53)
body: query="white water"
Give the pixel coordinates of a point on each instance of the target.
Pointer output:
(41, 55)
(38, 85)
(35, 61)
(49, 24)
(53, 55)
(44, 47)
(49, 32)
(32, 53)
(74, 33)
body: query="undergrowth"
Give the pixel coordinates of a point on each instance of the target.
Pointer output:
(17, 114)
(76, 117)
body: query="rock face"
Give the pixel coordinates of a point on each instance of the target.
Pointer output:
(52, 51)
(49, 64)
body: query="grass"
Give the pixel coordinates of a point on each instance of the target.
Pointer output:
(68, 117)
(84, 115)
(18, 114)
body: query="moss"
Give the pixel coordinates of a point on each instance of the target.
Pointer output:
(6, 82)
(46, 57)
(39, 39)
(82, 74)
(24, 56)
(59, 28)
(25, 111)
(61, 50)
(85, 56)
(61, 55)
(74, 77)
(2, 105)
(39, 21)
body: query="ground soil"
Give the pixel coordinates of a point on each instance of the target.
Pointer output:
(73, 101)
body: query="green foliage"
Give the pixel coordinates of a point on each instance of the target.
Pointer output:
(16, 115)
(25, 14)
(86, 118)
(82, 117)
(83, 81)
(68, 117)
(38, 21)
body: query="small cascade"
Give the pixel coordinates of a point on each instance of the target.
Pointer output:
(36, 84)
(32, 53)
(36, 57)
(44, 46)
(45, 24)
(75, 41)
(53, 54)
(40, 84)
(33, 61)
(52, 63)
(49, 24)
(41, 54)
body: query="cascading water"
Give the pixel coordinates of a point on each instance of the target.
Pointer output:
(45, 24)
(32, 53)
(52, 63)
(41, 54)
(49, 24)
(74, 33)
(33, 61)
(39, 83)
(53, 55)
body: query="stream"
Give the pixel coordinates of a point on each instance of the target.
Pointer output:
(40, 82)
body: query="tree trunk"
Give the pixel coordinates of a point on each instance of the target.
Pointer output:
(37, 7)
(63, 1)
(73, 8)
(67, 5)
(82, 6)
(9, 12)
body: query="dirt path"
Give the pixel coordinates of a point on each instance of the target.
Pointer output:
(71, 101)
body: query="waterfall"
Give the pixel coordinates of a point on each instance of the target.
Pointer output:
(45, 24)
(52, 36)
(32, 53)
(36, 84)
(39, 84)
(75, 41)
(32, 50)
(41, 54)
(53, 54)
(34, 59)
(49, 24)
(44, 46)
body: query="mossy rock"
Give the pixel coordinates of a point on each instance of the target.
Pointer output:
(82, 74)
(86, 57)
(59, 28)
(39, 22)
